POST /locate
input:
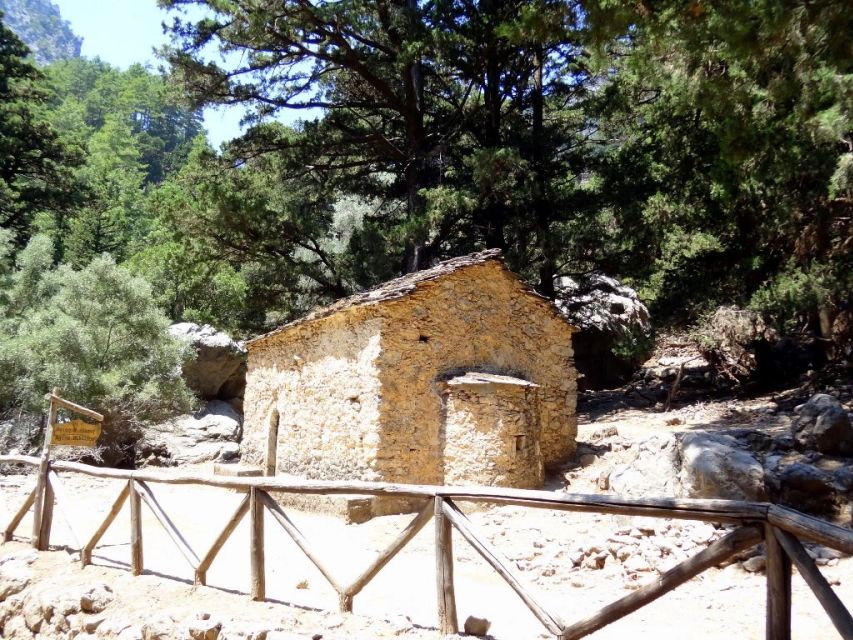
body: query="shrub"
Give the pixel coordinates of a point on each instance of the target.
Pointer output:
(95, 333)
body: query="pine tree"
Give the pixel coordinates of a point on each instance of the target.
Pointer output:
(35, 167)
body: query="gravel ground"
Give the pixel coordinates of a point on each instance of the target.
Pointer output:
(575, 563)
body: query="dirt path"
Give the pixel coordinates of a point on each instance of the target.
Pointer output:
(555, 552)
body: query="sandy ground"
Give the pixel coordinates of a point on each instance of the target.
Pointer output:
(401, 601)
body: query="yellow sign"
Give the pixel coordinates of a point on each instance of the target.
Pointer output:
(75, 433)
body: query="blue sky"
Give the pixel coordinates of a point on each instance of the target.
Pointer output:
(123, 32)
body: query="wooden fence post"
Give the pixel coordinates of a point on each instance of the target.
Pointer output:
(778, 588)
(829, 600)
(501, 565)
(46, 514)
(447, 619)
(41, 482)
(136, 562)
(256, 545)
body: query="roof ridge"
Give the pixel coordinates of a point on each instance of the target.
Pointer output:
(394, 289)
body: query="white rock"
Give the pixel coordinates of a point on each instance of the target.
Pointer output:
(717, 466)
(596, 561)
(636, 564)
(96, 598)
(208, 435)
(130, 633)
(702, 533)
(17, 628)
(624, 553)
(159, 628)
(204, 629)
(652, 471)
(13, 580)
(32, 611)
(10, 608)
(217, 359)
(755, 564)
(91, 623)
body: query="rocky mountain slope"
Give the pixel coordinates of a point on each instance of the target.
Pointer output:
(40, 25)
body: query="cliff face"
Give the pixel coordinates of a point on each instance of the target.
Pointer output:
(40, 25)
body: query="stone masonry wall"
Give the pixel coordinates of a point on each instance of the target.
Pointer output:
(358, 393)
(491, 434)
(322, 379)
(477, 319)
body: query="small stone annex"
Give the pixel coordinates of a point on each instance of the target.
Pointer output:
(459, 374)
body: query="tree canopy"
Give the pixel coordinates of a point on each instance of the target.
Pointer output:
(702, 152)
(668, 145)
(35, 167)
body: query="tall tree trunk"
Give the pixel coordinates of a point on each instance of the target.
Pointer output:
(417, 253)
(547, 267)
(491, 218)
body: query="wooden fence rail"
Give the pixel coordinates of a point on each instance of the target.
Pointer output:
(778, 527)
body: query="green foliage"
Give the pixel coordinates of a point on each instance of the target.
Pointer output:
(91, 93)
(699, 151)
(94, 332)
(634, 344)
(187, 286)
(841, 182)
(112, 216)
(420, 100)
(691, 149)
(249, 246)
(134, 133)
(733, 123)
(35, 166)
(796, 291)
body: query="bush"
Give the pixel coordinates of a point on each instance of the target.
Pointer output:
(95, 333)
(797, 293)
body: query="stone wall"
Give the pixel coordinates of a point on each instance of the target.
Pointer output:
(477, 319)
(321, 379)
(491, 432)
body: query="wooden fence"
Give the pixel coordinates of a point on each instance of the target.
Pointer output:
(778, 527)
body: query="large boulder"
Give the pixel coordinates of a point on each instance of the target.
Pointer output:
(718, 466)
(810, 482)
(692, 465)
(653, 471)
(741, 464)
(823, 425)
(210, 435)
(806, 487)
(217, 369)
(615, 334)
